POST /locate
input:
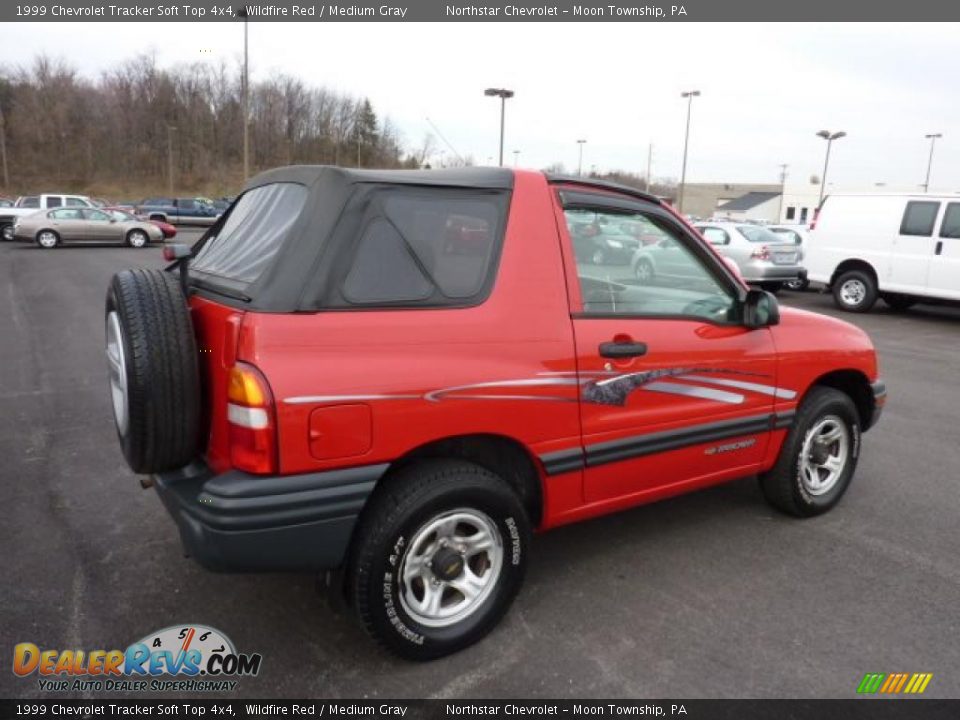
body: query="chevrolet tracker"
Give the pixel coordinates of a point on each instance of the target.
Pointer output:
(394, 377)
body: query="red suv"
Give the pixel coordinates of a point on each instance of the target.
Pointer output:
(396, 376)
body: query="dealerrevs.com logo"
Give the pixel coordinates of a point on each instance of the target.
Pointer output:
(179, 658)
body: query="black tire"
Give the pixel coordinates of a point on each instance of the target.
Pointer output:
(899, 302)
(136, 233)
(784, 486)
(6, 231)
(42, 239)
(411, 499)
(866, 294)
(797, 285)
(162, 401)
(644, 271)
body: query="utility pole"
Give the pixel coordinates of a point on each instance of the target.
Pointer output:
(246, 96)
(649, 163)
(783, 187)
(829, 137)
(170, 129)
(580, 160)
(516, 157)
(3, 150)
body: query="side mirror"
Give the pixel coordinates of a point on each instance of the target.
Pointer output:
(760, 309)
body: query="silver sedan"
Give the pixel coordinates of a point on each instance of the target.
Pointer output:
(764, 258)
(50, 228)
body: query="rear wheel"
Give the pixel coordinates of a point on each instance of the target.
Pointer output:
(855, 291)
(438, 558)
(818, 457)
(48, 239)
(6, 232)
(152, 363)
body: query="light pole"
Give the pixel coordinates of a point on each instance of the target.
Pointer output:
(932, 137)
(503, 94)
(580, 159)
(689, 95)
(783, 189)
(829, 137)
(516, 157)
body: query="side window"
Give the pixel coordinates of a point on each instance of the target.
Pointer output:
(425, 248)
(54, 201)
(715, 235)
(666, 279)
(919, 217)
(951, 222)
(66, 214)
(187, 204)
(32, 201)
(97, 215)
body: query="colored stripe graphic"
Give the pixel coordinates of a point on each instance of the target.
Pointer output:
(894, 683)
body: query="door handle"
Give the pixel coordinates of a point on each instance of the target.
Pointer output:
(939, 248)
(621, 350)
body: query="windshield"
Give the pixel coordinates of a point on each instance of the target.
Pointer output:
(757, 234)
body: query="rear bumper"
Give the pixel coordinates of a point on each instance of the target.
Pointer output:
(773, 273)
(236, 521)
(879, 390)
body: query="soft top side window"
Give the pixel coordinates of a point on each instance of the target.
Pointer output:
(418, 247)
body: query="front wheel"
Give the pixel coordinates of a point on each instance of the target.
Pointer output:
(818, 457)
(855, 291)
(137, 239)
(440, 554)
(7, 232)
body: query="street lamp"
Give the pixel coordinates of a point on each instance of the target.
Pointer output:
(689, 95)
(503, 95)
(580, 160)
(829, 137)
(932, 137)
(516, 157)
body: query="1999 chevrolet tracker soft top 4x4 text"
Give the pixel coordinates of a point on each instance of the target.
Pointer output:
(398, 375)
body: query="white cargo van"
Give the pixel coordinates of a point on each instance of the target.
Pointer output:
(902, 248)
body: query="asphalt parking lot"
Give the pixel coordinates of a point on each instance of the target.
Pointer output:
(709, 595)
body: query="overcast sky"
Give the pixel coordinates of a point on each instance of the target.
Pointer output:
(766, 88)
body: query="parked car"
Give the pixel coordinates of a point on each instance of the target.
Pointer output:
(764, 258)
(6, 202)
(903, 248)
(123, 215)
(354, 397)
(797, 234)
(29, 204)
(598, 241)
(179, 211)
(50, 228)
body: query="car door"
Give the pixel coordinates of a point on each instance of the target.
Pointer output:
(674, 390)
(101, 227)
(914, 246)
(68, 223)
(944, 274)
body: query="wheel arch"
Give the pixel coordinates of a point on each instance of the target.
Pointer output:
(504, 456)
(855, 385)
(855, 264)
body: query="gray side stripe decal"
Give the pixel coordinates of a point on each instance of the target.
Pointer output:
(696, 391)
(776, 392)
(564, 461)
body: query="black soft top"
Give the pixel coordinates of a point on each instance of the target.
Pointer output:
(470, 177)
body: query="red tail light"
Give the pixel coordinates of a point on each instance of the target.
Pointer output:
(761, 253)
(252, 421)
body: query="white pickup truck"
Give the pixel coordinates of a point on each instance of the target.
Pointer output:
(29, 204)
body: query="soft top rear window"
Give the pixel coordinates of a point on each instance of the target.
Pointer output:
(253, 232)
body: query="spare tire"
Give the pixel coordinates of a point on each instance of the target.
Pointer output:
(154, 378)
